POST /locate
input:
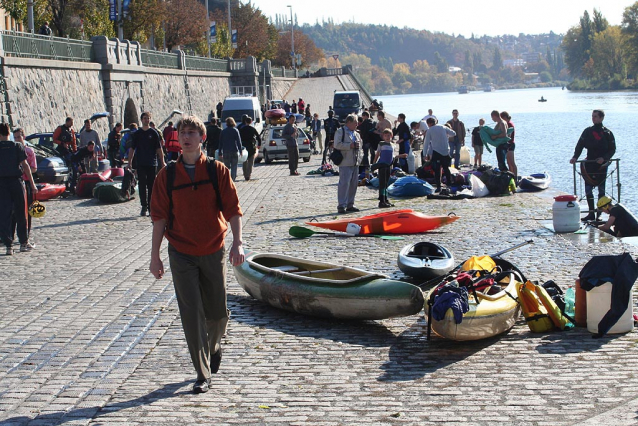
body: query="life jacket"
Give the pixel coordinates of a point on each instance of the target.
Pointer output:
(534, 311)
(170, 182)
(560, 321)
(172, 143)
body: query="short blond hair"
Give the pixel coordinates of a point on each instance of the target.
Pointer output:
(192, 122)
(387, 131)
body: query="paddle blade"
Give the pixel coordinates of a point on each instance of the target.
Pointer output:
(300, 232)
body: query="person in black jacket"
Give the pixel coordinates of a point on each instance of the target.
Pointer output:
(330, 125)
(402, 131)
(366, 129)
(250, 139)
(212, 137)
(600, 144)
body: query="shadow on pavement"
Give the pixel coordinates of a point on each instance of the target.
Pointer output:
(571, 341)
(169, 390)
(254, 313)
(91, 221)
(412, 356)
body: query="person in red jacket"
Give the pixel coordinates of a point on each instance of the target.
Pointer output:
(64, 138)
(196, 252)
(171, 142)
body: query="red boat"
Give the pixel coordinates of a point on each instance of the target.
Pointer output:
(395, 222)
(87, 182)
(46, 191)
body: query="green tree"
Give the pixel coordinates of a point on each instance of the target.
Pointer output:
(143, 17)
(222, 47)
(546, 77)
(599, 23)
(440, 63)
(630, 33)
(497, 62)
(608, 54)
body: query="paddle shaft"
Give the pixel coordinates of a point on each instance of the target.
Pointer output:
(511, 248)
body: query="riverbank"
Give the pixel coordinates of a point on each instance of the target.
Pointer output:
(89, 337)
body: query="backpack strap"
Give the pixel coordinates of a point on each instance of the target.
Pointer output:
(213, 178)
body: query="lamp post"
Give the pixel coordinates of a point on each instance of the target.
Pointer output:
(292, 40)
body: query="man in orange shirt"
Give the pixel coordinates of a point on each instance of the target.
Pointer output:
(64, 138)
(196, 252)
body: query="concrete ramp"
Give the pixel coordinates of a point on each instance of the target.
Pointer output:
(319, 91)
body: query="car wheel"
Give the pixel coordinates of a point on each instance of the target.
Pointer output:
(257, 160)
(306, 159)
(267, 159)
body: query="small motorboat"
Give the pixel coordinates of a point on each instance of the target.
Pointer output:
(425, 261)
(463, 90)
(405, 221)
(542, 99)
(47, 191)
(535, 182)
(326, 290)
(492, 310)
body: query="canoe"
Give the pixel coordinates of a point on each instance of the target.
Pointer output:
(275, 113)
(47, 191)
(535, 182)
(326, 290)
(393, 222)
(496, 311)
(425, 260)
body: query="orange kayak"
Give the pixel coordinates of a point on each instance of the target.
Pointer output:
(395, 222)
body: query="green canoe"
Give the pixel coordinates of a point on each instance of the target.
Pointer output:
(325, 289)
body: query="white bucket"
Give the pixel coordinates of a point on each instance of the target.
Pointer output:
(411, 164)
(599, 302)
(566, 214)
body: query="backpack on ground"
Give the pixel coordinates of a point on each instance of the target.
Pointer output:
(497, 182)
(170, 182)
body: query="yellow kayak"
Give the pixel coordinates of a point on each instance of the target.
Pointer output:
(495, 312)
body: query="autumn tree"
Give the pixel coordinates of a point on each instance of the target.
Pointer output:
(255, 35)
(185, 22)
(608, 54)
(303, 45)
(143, 17)
(58, 10)
(17, 9)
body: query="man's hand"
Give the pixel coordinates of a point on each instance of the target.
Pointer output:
(572, 161)
(157, 267)
(600, 160)
(236, 255)
(34, 188)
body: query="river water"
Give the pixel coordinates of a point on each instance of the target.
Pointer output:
(546, 132)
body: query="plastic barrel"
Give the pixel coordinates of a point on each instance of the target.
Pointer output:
(566, 213)
(599, 302)
(580, 306)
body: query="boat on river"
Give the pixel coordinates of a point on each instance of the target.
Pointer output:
(463, 89)
(489, 88)
(542, 99)
(326, 290)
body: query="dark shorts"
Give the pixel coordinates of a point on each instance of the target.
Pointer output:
(511, 147)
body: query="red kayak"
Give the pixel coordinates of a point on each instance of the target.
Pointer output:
(47, 191)
(275, 113)
(394, 222)
(87, 182)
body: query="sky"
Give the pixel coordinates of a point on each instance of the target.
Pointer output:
(452, 17)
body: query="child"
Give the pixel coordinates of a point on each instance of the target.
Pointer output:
(477, 144)
(383, 162)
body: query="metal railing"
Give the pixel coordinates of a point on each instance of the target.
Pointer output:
(612, 174)
(237, 65)
(277, 72)
(334, 71)
(152, 58)
(289, 73)
(206, 64)
(28, 45)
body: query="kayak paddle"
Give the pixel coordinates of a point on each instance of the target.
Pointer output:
(301, 232)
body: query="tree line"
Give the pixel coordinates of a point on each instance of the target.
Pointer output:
(602, 56)
(176, 23)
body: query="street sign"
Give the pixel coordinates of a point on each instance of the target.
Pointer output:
(125, 7)
(112, 10)
(292, 53)
(335, 57)
(234, 38)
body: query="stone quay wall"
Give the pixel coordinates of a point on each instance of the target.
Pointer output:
(41, 93)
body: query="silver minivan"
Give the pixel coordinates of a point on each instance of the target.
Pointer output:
(238, 106)
(273, 145)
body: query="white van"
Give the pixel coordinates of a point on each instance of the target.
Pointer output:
(237, 106)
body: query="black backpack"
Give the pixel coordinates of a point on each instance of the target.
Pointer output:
(170, 181)
(497, 182)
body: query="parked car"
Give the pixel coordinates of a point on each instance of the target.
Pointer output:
(273, 145)
(51, 167)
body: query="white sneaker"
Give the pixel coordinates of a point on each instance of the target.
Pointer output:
(26, 247)
(9, 251)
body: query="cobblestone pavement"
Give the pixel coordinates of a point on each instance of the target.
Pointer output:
(88, 337)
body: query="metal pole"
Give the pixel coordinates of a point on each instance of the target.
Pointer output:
(292, 38)
(30, 15)
(120, 17)
(208, 31)
(230, 31)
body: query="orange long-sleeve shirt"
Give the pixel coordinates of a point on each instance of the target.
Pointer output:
(199, 227)
(71, 145)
